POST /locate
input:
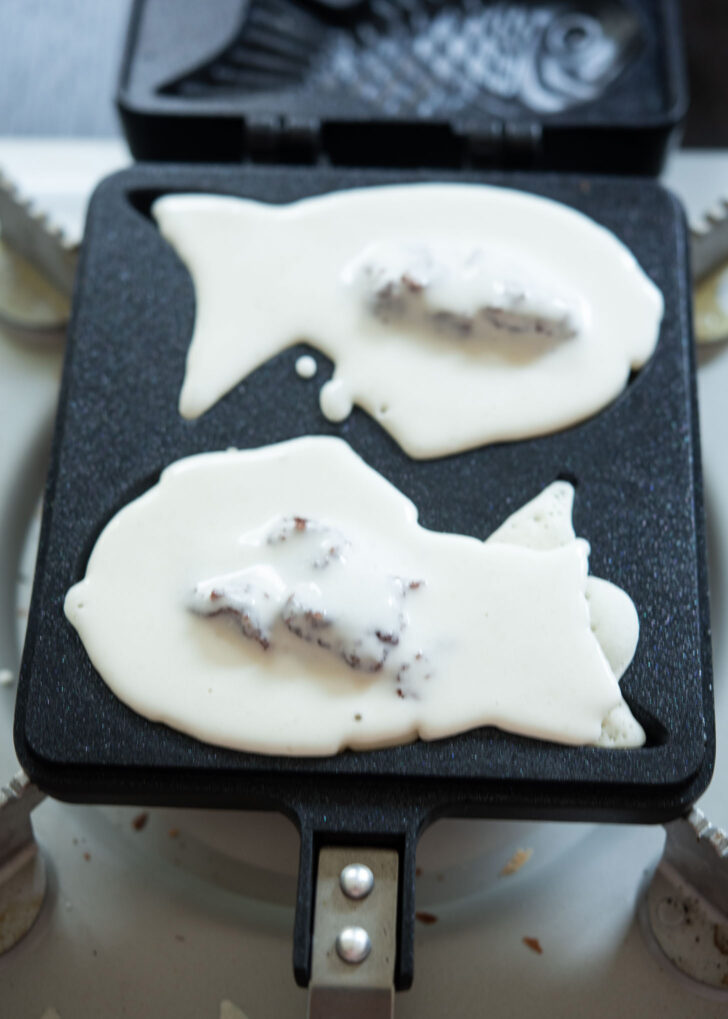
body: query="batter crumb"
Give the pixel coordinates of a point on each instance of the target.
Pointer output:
(306, 367)
(519, 858)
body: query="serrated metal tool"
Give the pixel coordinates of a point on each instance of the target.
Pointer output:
(22, 867)
(709, 249)
(684, 909)
(37, 266)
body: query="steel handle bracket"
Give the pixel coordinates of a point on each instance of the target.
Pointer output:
(354, 934)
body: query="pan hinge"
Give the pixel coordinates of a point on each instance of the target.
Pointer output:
(354, 934)
(498, 143)
(289, 139)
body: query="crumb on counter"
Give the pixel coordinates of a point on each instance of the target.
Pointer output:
(519, 858)
(534, 944)
(140, 821)
(426, 918)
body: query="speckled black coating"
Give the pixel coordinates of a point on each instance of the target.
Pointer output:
(626, 129)
(638, 501)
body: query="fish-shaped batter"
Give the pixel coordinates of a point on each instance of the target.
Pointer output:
(285, 600)
(456, 315)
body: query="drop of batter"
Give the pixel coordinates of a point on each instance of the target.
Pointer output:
(306, 366)
(475, 314)
(335, 400)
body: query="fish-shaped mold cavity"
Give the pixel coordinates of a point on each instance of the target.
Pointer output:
(423, 59)
(456, 315)
(285, 600)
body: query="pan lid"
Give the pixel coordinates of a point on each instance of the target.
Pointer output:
(560, 84)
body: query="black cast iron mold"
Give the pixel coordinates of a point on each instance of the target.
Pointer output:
(639, 502)
(405, 82)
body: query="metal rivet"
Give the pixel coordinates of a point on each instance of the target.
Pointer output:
(353, 945)
(356, 881)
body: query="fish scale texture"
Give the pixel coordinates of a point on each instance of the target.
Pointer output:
(406, 82)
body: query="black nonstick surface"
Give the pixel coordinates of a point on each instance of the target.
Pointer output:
(636, 467)
(406, 82)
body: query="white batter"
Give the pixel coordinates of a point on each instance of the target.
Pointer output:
(285, 600)
(306, 366)
(456, 315)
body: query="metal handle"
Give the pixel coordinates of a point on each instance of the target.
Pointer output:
(359, 827)
(354, 934)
